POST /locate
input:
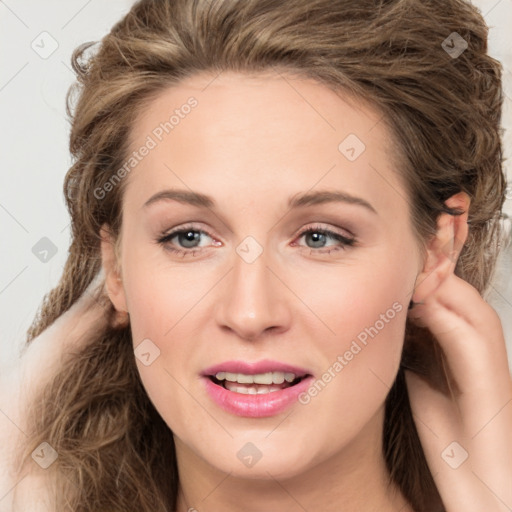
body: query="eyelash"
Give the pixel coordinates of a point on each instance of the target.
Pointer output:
(345, 241)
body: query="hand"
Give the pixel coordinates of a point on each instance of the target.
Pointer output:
(40, 361)
(466, 434)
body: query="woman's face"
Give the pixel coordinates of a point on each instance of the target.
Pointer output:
(248, 285)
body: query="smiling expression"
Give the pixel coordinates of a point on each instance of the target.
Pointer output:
(269, 224)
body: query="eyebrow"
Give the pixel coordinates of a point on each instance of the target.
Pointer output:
(294, 202)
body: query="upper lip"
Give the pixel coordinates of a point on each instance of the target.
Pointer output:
(252, 368)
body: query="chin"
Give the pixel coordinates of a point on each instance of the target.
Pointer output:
(260, 460)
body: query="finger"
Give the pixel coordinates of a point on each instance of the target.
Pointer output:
(476, 360)
(473, 358)
(455, 457)
(463, 301)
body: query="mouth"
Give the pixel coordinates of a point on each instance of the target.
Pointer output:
(256, 384)
(255, 389)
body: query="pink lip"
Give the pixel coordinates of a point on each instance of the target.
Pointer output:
(256, 406)
(264, 366)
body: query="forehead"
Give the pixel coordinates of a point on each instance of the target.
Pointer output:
(237, 134)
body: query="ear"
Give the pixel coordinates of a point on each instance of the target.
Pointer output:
(444, 249)
(112, 270)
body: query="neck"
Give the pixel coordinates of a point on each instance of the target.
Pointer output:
(350, 480)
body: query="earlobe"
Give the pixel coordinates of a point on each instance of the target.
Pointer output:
(444, 249)
(111, 268)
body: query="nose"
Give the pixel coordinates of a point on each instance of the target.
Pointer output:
(252, 300)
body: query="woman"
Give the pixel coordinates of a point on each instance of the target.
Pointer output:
(285, 216)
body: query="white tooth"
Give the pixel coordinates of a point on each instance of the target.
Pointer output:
(263, 378)
(244, 379)
(246, 391)
(277, 377)
(260, 378)
(250, 390)
(231, 386)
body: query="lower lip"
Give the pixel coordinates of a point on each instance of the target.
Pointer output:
(256, 406)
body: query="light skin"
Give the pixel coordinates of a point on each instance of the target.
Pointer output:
(477, 417)
(251, 144)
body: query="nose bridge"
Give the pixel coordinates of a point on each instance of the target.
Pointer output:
(252, 300)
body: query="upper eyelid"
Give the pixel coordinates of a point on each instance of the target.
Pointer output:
(319, 227)
(316, 225)
(178, 230)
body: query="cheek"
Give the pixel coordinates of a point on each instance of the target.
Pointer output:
(361, 358)
(362, 310)
(158, 295)
(155, 316)
(347, 299)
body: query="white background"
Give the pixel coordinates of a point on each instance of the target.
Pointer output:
(34, 133)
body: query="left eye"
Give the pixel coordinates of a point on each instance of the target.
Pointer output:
(320, 235)
(187, 238)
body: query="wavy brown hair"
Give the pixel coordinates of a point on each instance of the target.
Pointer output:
(115, 453)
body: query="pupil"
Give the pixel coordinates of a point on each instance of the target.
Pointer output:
(317, 237)
(189, 237)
